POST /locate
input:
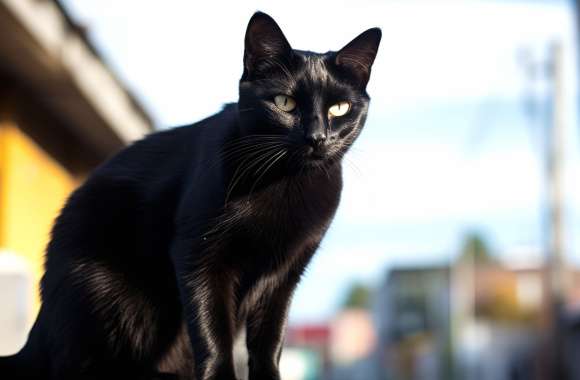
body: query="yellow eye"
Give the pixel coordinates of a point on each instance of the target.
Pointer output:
(339, 109)
(285, 103)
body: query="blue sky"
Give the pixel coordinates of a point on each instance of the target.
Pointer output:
(447, 147)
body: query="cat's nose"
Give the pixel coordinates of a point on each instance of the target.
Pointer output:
(315, 132)
(315, 138)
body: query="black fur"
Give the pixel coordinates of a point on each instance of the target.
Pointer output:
(190, 235)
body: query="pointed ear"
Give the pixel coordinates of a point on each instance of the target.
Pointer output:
(264, 39)
(359, 54)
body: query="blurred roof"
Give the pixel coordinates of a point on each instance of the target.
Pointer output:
(47, 59)
(308, 334)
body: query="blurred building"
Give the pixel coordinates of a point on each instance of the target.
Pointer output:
(62, 111)
(413, 317)
(306, 355)
(497, 311)
(352, 336)
(352, 346)
(476, 319)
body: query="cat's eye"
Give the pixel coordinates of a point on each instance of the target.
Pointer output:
(285, 103)
(339, 109)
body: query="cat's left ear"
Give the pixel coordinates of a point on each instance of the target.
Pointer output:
(264, 41)
(359, 54)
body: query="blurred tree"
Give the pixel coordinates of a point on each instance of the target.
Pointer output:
(358, 297)
(475, 248)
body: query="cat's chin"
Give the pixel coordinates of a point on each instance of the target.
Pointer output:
(315, 154)
(318, 162)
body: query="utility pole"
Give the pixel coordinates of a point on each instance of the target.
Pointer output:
(552, 141)
(554, 177)
(552, 135)
(556, 273)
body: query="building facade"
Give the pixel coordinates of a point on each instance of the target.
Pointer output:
(62, 112)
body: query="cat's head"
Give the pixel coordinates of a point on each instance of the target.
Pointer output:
(308, 106)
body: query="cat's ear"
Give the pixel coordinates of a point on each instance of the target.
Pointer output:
(264, 40)
(359, 54)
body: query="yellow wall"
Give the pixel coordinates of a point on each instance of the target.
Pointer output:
(33, 188)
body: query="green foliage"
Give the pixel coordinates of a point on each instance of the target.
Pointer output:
(476, 249)
(359, 296)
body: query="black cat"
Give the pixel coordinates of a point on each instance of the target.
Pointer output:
(187, 238)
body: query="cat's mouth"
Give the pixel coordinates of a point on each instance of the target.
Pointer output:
(316, 154)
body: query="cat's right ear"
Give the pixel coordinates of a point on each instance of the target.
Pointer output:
(264, 42)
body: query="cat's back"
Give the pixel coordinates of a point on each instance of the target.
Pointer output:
(160, 163)
(130, 201)
(172, 151)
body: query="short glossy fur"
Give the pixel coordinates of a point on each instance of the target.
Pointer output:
(191, 235)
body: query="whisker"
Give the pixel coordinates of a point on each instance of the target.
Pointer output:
(248, 149)
(240, 150)
(250, 142)
(248, 158)
(245, 145)
(253, 136)
(242, 170)
(275, 157)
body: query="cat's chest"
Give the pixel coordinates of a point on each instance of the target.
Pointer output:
(274, 230)
(290, 210)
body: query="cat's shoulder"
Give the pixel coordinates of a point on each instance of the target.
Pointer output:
(171, 150)
(220, 123)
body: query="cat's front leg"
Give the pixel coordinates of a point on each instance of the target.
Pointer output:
(266, 325)
(206, 291)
